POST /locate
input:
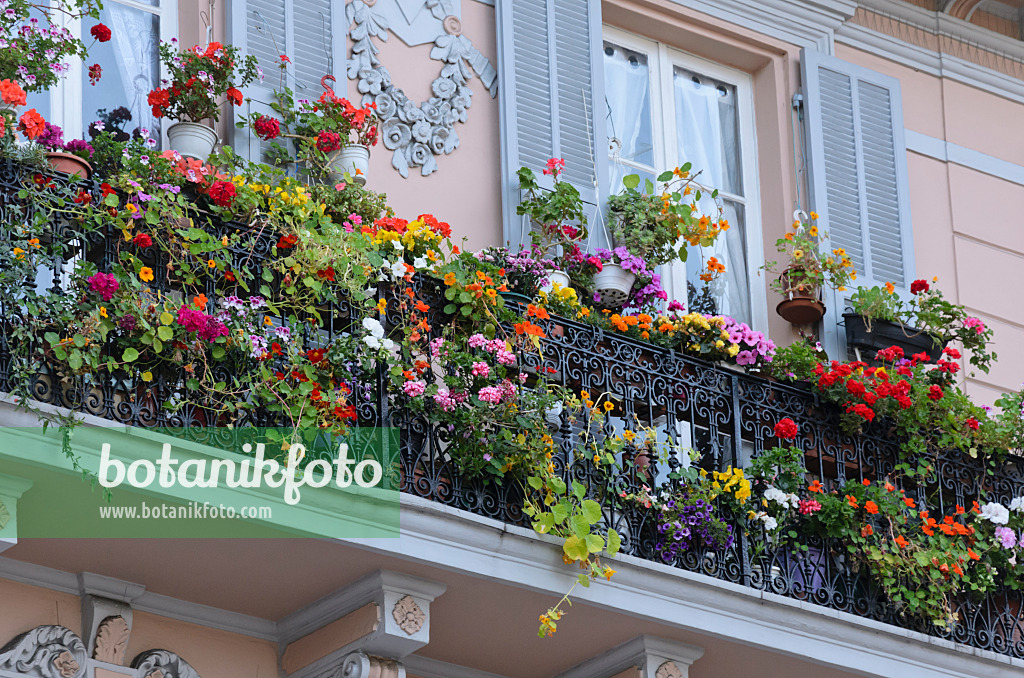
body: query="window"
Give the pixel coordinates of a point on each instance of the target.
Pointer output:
(130, 64)
(664, 108)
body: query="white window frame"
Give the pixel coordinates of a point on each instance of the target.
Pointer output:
(661, 60)
(66, 97)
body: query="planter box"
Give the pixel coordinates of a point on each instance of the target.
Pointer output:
(884, 334)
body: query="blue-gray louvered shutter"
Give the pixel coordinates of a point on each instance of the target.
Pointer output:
(303, 30)
(857, 164)
(550, 72)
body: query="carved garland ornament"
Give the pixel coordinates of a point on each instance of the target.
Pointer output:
(668, 670)
(416, 132)
(162, 664)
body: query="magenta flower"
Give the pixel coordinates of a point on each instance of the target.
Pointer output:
(104, 284)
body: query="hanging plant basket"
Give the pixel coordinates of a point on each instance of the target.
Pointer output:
(884, 334)
(556, 276)
(613, 285)
(802, 305)
(355, 160)
(192, 140)
(69, 164)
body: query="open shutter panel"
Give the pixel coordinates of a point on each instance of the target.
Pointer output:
(301, 29)
(550, 79)
(857, 164)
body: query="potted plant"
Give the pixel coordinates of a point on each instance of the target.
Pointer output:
(332, 138)
(556, 217)
(806, 270)
(650, 223)
(52, 139)
(198, 78)
(623, 279)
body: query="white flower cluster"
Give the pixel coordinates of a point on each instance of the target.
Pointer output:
(769, 522)
(1017, 504)
(779, 497)
(375, 339)
(995, 513)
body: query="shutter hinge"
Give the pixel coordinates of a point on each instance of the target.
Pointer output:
(798, 105)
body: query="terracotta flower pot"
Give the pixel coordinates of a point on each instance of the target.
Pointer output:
(69, 164)
(802, 305)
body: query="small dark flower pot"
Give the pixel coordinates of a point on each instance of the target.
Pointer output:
(884, 334)
(801, 310)
(516, 297)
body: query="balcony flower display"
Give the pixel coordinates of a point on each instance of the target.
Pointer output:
(332, 138)
(806, 270)
(927, 321)
(659, 223)
(526, 270)
(199, 77)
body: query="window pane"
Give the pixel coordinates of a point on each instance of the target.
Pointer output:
(707, 126)
(627, 110)
(131, 68)
(730, 294)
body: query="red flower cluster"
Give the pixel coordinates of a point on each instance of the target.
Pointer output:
(287, 241)
(786, 429)
(234, 96)
(100, 32)
(158, 99)
(442, 228)
(328, 142)
(919, 286)
(95, 72)
(865, 386)
(142, 240)
(267, 128)
(222, 193)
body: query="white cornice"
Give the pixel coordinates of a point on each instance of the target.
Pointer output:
(802, 22)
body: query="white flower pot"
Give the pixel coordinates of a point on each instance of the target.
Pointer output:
(350, 159)
(560, 277)
(614, 284)
(192, 140)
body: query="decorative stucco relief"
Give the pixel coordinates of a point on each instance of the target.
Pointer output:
(416, 132)
(668, 670)
(409, 616)
(45, 652)
(162, 664)
(111, 640)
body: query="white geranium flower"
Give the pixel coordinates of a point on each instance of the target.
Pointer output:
(776, 495)
(1017, 504)
(995, 513)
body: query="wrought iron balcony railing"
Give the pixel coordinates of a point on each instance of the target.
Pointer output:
(726, 414)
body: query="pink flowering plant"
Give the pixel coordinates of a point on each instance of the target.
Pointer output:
(489, 420)
(647, 291)
(35, 46)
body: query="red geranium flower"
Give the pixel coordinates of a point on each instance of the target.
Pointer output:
(935, 392)
(32, 124)
(95, 72)
(234, 96)
(100, 32)
(142, 240)
(972, 423)
(786, 429)
(328, 142)
(287, 241)
(267, 128)
(919, 286)
(222, 193)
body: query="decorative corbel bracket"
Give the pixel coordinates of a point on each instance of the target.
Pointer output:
(11, 489)
(650, 656)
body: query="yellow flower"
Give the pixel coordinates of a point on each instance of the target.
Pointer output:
(798, 254)
(19, 253)
(382, 306)
(629, 436)
(608, 406)
(211, 264)
(224, 241)
(146, 274)
(814, 215)
(813, 231)
(103, 311)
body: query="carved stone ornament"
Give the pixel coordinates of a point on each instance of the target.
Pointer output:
(416, 133)
(162, 664)
(408, 615)
(111, 640)
(668, 670)
(45, 652)
(359, 665)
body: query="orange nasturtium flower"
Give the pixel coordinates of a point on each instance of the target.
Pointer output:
(890, 288)
(902, 542)
(146, 274)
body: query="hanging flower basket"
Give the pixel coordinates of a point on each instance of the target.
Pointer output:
(613, 285)
(192, 140)
(354, 159)
(802, 305)
(556, 276)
